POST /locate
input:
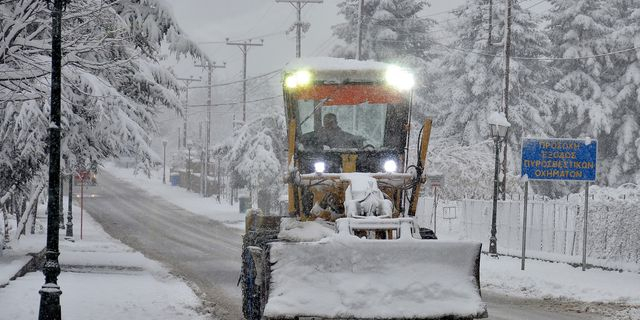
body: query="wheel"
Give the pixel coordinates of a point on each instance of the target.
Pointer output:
(251, 302)
(251, 290)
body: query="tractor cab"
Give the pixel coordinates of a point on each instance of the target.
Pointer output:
(347, 116)
(348, 121)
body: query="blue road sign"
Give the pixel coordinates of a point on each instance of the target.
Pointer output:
(559, 159)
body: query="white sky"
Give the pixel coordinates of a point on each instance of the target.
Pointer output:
(239, 20)
(215, 20)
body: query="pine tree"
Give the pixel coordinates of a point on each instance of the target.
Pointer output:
(622, 144)
(468, 81)
(578, 29)
(392, 31)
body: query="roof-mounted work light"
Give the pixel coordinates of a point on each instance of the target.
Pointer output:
(298, 79)
(399, 78)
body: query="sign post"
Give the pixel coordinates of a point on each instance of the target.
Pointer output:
(524, 222)
(560, 160)
(435, 180)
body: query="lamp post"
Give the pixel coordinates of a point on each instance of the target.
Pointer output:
(189, 146)
(164, 160)
(50, 291)
(499, 125)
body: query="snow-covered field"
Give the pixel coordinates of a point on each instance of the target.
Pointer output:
(101, 279)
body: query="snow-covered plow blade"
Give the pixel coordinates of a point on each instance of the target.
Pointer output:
(353, 278)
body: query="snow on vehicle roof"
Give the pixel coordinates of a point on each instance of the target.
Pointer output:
(335, 64)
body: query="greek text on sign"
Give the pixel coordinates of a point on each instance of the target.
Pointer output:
(559, 159)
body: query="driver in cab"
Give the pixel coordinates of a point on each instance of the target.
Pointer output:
(332, 136)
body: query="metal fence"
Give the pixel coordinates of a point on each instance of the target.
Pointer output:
(554, 228)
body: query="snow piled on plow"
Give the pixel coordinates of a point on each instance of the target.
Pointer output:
(347, 277)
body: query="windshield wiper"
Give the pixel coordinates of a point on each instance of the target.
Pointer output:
(320, 104)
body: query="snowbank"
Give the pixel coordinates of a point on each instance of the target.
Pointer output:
(543, 280)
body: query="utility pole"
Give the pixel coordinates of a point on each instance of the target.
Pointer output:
(187, 82)
(360, 17)
(50, 291)
(244, 47)
(489, 37)
(505, 93)
(298, 5)
(205, 172)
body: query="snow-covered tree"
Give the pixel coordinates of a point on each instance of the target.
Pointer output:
(256, 154)
(621, 145)
(579, 29)
(468, 79)
(112, 84)
(392, 31)
(471, 77)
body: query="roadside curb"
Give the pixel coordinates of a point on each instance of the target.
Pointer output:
(33, 264)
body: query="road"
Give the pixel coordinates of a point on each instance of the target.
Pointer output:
(202, 251)
(207, 254)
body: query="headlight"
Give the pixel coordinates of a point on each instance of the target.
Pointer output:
(390, 166)
(399, 78)
(319, 166)
(298, 79)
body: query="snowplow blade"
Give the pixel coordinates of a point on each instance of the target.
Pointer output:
(352, 278)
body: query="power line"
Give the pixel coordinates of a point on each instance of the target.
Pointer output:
(228, 111)
(233, 103)
(238, 81)
(482, 53)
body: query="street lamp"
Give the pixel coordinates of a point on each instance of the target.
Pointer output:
(498, 125)
(164, 160)
(50, 291)
(189, 146)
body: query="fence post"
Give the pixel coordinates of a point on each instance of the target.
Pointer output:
(524, 224)
(575, 231)
(553, 228)
(542, 227)
(586, 217)
(566, 227)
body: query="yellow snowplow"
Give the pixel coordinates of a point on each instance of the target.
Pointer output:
(351, 247)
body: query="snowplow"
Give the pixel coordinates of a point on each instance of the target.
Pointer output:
(351, 247)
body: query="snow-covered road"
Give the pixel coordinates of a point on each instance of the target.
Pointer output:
(207, 253)
(202, 251)
(503, 307)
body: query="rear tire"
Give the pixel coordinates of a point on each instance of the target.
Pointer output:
(251, 291)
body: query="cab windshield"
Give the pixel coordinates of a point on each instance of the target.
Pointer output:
(348, 117)
(364, 121)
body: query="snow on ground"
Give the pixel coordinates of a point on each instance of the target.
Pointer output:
(12, 260)
(191, 201)
(540, 280)
(558, 280)
(101, 279)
